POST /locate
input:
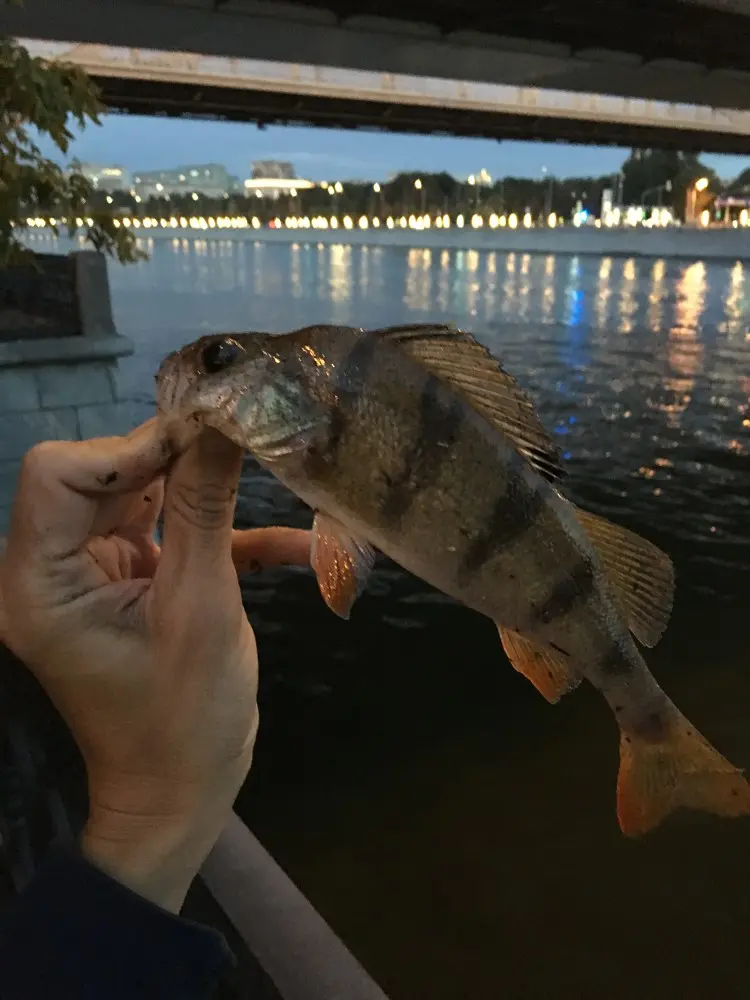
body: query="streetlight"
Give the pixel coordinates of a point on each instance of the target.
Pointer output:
(379, 192)
(418, 186)
(700, 185)
(473, 183)
(548, 193)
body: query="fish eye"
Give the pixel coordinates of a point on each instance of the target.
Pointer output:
(220, 354)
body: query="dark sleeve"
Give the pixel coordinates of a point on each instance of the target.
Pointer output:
(74, 933)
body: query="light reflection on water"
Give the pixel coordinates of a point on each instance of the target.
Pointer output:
(401, 760)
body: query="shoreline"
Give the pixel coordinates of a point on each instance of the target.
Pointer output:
(677, 243)
(721, 245)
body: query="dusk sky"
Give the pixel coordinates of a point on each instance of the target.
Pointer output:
(329, 154)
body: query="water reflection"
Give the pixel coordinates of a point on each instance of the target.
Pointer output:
(735, 300)
(548, 288)
(656, 296)
(628, 300)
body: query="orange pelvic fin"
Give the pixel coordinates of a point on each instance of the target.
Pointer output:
(341, 562)
(549, 670)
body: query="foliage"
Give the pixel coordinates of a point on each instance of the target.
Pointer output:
(42, 98)
(663, 176)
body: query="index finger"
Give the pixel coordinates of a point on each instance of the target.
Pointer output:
(63, 483)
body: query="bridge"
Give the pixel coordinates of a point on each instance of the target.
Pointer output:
(181, 83)
(659, 57)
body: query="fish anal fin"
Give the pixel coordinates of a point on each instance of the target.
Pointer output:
(341, 562)
(471, 370)
(641, 575)
(548, 670)
(681, 770)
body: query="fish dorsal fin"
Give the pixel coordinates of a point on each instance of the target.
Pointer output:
(641, 574)
(458, 359)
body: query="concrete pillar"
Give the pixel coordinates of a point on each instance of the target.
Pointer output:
(58, 355)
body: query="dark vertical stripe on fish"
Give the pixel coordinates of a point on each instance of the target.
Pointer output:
(615, 662)
(351, 376)
(513, 514)
(440, 420)
(575, 588)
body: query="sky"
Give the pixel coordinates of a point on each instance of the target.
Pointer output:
(334, 154)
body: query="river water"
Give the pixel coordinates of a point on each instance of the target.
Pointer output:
(456, 831)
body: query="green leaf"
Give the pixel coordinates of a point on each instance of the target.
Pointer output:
(48, 97)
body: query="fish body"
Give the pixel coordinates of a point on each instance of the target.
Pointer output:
(415, 442)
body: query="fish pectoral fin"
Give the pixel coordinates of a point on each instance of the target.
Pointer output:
(341, 562)
(549, 670)
(680, 770)
(640, 573)
(467, 366)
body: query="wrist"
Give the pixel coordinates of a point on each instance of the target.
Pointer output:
(155, 856)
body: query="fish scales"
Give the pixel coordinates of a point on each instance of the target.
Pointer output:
(443, 467)
(453, 502)
(419, 465)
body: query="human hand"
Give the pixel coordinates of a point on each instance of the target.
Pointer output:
(147, 653)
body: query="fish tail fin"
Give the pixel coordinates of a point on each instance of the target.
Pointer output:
(680, 770)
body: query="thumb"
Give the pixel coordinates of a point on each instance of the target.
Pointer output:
(199, 502)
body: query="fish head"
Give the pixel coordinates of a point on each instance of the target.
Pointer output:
(255, 388)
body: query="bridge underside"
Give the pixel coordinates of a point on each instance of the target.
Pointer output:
(684, 51)
(149, 97)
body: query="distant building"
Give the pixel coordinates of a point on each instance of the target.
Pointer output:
(106, 178)
(272, 178)
(279, 169)
(209, 179)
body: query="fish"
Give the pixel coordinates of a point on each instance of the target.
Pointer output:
(414, 441)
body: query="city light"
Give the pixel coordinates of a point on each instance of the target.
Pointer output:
(634, 215)
(701, 184)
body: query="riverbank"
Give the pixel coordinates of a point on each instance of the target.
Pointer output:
(683, 243)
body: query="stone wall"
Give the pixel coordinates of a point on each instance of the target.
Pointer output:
(63, 387)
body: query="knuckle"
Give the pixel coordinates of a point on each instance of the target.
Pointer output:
(206, 506)
(38, 458)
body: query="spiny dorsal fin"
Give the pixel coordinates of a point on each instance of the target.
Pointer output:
(464, 363)
(548, 670)
(641, 574)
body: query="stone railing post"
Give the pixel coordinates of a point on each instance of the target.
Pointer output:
(59, 351)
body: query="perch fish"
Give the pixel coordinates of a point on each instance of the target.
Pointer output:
(416, 442)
